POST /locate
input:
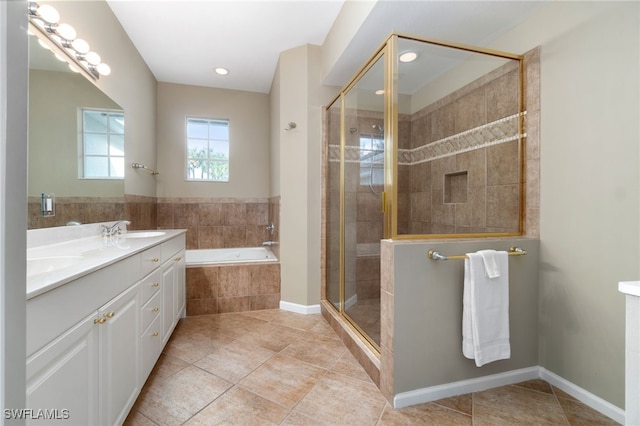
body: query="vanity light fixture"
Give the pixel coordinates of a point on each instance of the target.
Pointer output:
(61, 39)
(221, 71)
(408, 56)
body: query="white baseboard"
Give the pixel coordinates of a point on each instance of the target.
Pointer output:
(299, 309)
(350, 302)
(477, 384)
(584, 396)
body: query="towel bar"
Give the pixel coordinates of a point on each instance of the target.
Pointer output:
(434, 255)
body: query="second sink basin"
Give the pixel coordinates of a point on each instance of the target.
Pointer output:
(144, 234)
(41, 265)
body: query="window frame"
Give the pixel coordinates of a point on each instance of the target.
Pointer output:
(209, 139)
(82, 148)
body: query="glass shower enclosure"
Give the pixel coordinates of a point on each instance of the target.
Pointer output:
(425, 142)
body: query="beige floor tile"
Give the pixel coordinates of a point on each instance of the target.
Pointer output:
(234, 361)
(338, 399)
(298, 321)
(135, 418)
(314, 349)
(537, 385)
(274, 337)
(191, 345)
(511, 405)
(323, 328)
(297, 419)
(175, 399)
(240, 407)
(460, 403)
(580, 415)
(166, 366)
(283, 380)
(349, 366)
(424, 414)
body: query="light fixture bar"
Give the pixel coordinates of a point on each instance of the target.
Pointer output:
(61, 40)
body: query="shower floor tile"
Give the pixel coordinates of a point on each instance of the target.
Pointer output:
(275, 367)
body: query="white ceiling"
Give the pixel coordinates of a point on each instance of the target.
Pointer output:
(182, 41)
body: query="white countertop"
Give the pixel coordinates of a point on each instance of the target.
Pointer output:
(631, 288)
(52, 265)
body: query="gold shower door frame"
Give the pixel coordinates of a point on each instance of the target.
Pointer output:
(389, 49)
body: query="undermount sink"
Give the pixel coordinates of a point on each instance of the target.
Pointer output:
(145, 234)
(41, 265)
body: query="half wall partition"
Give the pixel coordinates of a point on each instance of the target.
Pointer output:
(425, 142)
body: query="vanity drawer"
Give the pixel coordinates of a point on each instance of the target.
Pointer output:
(150, 347)
(151, 310)
(173, 246)
(150, 285)
(150, 259)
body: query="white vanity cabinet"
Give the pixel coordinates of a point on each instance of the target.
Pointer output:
(92, 342)
(119, 354)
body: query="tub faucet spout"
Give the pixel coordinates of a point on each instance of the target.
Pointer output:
(269, 243)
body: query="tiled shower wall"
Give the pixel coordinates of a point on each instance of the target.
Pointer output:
(217, 222)
(462, 191)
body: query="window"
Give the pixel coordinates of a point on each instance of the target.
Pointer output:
(207, 150)
(102, 144)
(371, 160)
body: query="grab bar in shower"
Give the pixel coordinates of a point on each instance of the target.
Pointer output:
(434, 255)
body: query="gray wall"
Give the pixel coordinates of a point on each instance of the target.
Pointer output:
(589, 184)
(427, 314)
(13, 203)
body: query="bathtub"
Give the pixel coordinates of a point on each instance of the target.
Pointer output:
(203, 257)
(231, 280)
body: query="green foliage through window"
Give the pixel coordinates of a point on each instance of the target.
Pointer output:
(207, 149)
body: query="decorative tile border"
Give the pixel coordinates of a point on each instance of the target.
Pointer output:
(500, 131)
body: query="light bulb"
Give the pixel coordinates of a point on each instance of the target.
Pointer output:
(408, 56)
(74, 68)
(43, 44)
(80, 46)
(379, 92)
(103, 69)
(222, 71)
(93, 58)
(60, 58)
(48, 14)
(66, 31)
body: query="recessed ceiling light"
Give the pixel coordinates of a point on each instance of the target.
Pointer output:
(408, 56)
(222, 71)
(379, 92)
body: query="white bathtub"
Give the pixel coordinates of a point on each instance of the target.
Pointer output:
(229, 255)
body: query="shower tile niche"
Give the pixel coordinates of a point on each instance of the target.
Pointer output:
(455, 187)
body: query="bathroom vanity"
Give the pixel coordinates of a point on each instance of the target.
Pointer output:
(99, 311)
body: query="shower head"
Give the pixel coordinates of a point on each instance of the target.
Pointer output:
(377, 128)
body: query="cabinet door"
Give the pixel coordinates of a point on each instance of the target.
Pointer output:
(63, 376)
(119, 355)
(168, 300)
(179, 282)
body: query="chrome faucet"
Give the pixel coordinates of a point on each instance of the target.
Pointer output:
(108, 231)
(271, 228)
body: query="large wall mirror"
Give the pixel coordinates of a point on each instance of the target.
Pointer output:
(66, 145)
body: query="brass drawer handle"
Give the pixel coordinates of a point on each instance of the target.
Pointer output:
(155, 284)
(155, 309)
(155, 259)
(155, 334)
(109, 314)
(99, 320)
(177, 259)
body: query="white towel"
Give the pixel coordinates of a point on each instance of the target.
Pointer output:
(485, 313)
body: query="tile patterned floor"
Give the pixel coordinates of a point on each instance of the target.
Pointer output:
(279, 368)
